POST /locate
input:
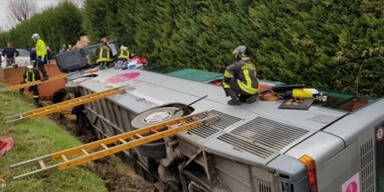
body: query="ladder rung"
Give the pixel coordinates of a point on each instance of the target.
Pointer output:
(154, 130)
(64, 157)
(138, 135)
(42, 164)
(122, 141)
(84, 151)
(172, 126)
(104, 146)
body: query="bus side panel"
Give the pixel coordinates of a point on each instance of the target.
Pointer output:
(380, 157)
(354, 163)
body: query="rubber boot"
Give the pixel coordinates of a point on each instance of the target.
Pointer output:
(37, 102)
(251, 99)
(234, 99)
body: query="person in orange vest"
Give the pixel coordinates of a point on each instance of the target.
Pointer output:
(32, 74)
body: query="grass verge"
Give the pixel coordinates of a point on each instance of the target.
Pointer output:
(34, 138)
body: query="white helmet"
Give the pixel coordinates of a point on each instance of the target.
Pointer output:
(239, 50)
(29, 66)
(123, 47)
(35, 36)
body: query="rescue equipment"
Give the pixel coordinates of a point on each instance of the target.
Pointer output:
(82, 154)
(65, 105)
(38, 82)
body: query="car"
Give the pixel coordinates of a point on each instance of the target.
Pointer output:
(21, 61)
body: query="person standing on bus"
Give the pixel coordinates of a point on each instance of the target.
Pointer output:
(104, 55)
(240, 82)
(122, 59)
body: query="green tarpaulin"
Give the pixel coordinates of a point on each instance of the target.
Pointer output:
(196, 75)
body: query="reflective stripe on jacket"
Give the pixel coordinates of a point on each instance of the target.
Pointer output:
(41, 49)
(245, 75)
(104, 54)
(124, 54)
(30, 75)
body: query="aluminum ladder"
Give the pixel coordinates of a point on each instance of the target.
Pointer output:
(38, 82)
(82, 154)
(64, 105)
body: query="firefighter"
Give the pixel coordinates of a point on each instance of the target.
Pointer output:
(123, 57)
(41, 54)
(240, 82)
(32, 74)
(104, 54)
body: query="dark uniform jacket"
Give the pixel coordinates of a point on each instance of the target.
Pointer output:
(31, 75)
(245, 74)
(10, 52)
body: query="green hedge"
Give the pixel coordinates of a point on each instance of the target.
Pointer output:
(327, 44)
(56, 26)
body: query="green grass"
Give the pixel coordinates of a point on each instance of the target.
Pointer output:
(34, 138)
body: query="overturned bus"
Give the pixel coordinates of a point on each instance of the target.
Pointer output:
(336, 146)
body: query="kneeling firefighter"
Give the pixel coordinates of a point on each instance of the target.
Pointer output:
(30, 75)
(240, 82)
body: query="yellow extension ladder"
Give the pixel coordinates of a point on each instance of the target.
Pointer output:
(96, 150)
(64, 105)
(25, 85)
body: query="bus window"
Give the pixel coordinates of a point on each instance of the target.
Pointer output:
(380, 157)
(345, 102)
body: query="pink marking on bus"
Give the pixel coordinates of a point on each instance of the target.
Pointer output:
(122, 77)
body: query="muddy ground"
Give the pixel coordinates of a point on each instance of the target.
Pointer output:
(118, 176)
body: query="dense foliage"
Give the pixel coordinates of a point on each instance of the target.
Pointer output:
(329, 44)
(56, 26)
